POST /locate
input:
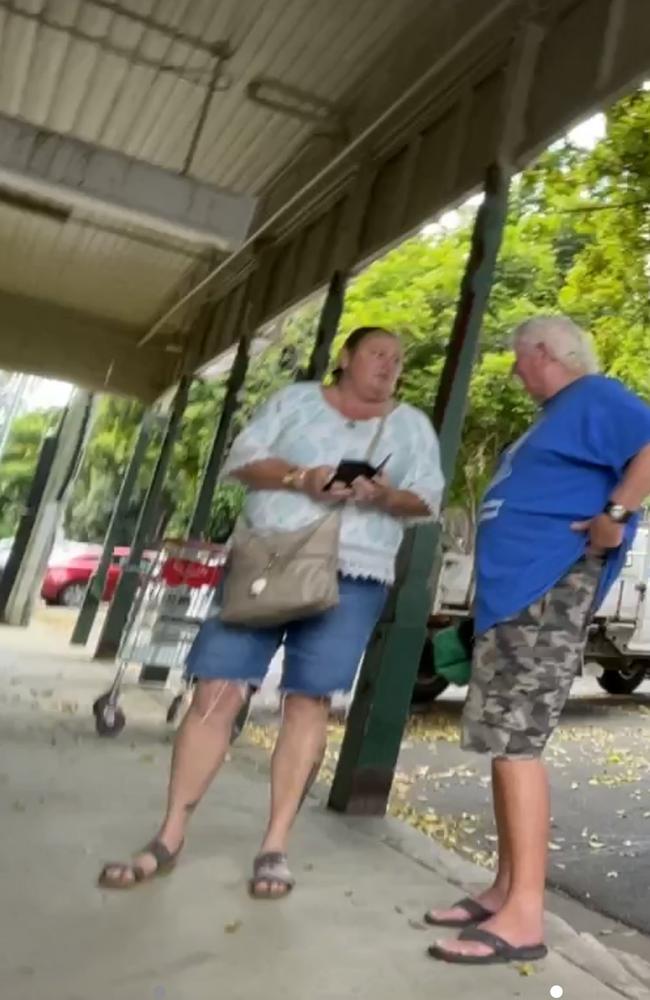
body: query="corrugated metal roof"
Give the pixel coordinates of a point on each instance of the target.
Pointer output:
(74, 85)
(78, 265)
(401, 88)
(132, 76)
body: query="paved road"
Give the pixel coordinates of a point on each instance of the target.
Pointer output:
(600, 776)
(599, 765)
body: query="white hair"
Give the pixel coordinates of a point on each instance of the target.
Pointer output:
(564, 340)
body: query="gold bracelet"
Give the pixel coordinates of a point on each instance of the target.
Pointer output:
(294, 478)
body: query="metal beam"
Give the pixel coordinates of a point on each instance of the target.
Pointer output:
(350, 155)
(296, 103)
(27, 520)
(201, 515)
(131, 54)
(451, 398)
(615, 23)
(118, 612)
(47, 339)
(82, 175)
(95, 590)
(70, 441)
(378, 715)
(449, 122)
(16, 389)
(328, 325)
(247, 311)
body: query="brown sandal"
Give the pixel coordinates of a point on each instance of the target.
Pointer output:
(270, 867)
(165, 863)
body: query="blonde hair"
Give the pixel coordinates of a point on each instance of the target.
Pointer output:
(564, 340)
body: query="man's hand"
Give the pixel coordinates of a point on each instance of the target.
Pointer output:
(315, 480)
(604, 533)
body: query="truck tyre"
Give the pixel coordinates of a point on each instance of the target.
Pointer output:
(623, 681)
(428, 685)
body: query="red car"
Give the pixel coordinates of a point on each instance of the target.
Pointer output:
(68, 574)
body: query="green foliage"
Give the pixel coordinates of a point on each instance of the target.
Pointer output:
(608, 286)
(283, 362)
(106, 459)
(19, 462)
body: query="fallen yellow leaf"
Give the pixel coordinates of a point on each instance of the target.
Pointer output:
(526, 969)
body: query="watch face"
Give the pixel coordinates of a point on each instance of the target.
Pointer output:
(618, 512)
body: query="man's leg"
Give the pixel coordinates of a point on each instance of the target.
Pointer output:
(199, 750)
(497, 895)
(526, 814)
(494, 897)
(522, 678)
(298, 752)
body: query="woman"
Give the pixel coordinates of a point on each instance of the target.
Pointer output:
(287, 457)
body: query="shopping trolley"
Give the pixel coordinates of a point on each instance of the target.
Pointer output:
(178, 591)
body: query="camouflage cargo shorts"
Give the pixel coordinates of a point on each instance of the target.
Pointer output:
(523, 668)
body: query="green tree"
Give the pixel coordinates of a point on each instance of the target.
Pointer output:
(607, 288)
(19, 463)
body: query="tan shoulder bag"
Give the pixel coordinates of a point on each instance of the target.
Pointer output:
(283, 576)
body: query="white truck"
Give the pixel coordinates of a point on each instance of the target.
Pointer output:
(619, 638)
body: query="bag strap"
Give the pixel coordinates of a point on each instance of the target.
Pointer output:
(376, 437)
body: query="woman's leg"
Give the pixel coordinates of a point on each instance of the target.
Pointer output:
(322, 657)
(298, 753)
(199, 750)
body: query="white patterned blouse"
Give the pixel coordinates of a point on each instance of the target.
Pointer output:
(298, 425)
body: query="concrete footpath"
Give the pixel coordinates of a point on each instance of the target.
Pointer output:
(352, 927)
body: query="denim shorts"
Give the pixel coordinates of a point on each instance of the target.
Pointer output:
(321, 653)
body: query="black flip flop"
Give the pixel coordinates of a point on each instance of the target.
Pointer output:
(476, 914)
(502, 952)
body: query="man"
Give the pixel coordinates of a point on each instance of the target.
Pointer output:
(554, 528)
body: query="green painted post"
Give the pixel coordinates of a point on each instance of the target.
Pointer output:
(95, 590)
(373, 736)
(27, 520)
(125, 591)
(328, 324)
(201, 515)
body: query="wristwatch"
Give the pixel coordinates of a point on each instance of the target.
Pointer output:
(294, 478)
(617, 512)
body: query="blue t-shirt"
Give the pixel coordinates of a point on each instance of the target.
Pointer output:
(563, 469)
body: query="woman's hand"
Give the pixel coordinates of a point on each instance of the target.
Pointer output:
(315, 480)
(371, 492)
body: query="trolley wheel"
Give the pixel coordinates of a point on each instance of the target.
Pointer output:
(172, 711)
(109, 719)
